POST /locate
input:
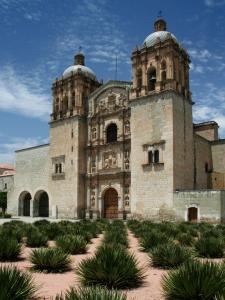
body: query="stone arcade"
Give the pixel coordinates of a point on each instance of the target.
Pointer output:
(125, 149)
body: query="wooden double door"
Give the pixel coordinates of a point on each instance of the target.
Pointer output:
(111, 204)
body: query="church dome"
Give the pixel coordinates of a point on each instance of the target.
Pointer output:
(158, 36)
(75, 69)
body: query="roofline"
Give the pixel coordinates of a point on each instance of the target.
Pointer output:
(217, 142)
(34, 147)
(108, 83)
(196, 125)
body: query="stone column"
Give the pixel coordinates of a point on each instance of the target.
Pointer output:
(87, 212)
(120, 204)
(31, 208)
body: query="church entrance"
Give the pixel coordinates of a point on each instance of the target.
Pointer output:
(192, 214)
(111, 204)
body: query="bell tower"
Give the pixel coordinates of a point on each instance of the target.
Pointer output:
(161, 123)
(68, 138)
(160, 64)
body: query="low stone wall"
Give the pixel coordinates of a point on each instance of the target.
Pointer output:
(210, 205)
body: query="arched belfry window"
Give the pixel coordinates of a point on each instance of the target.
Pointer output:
(139, 79)
(163, 71)
(111, 133)
(151, 79)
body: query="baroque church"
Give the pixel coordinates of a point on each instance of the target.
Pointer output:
(125, 149)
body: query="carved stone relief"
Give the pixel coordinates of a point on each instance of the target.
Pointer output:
(110, 160)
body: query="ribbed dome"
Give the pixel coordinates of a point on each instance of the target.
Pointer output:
(75, 69)
(157, 36)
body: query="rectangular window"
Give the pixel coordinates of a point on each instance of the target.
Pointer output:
(150, 157)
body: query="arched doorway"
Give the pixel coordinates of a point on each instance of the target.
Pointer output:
(192, 214)
(24, 204)
(111, 204)
(41, 204)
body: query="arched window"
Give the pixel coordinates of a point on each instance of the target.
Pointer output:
(139, 79)
(163, 70)
(156, 156)
(57, 105)
(111, 133)
(151, 79)
(65, 104)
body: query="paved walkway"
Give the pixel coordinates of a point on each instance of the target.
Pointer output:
(32, 220)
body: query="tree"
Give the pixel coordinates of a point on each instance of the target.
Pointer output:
(3, 202)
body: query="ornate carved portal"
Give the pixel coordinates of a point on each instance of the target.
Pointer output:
(111, 204)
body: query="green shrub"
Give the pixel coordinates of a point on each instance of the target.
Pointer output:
(169, 255)
(10, 249)
(113, 267)
(16, 285)
(72, 244)
(49, 260)
(196, 281)
(92, 293)
(210, 247)
(5, 215)
(153, 239)
(36, 239)
(116, 237)
(216, 233)
(186, 239)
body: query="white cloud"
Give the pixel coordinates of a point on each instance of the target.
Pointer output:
(213, 3)
(210, 105)
(8, 148)
(98, 30)
(23, 95)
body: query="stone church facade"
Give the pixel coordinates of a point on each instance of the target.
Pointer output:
(125, 149)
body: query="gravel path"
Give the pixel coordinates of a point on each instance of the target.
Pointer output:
(151, 289)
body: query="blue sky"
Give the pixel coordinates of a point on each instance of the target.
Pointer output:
(40, 37)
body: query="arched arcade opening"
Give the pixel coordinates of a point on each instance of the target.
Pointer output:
(41, 204)
(24, 204)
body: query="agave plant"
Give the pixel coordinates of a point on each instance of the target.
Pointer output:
(186, 239)
(210, 247)
(36, 239)
(16, 285)
(113, 267)
(91, 293)
(49, 260)
(72, 244)
(169, 255)
(10, 249)
(196, 281)
(153, 239)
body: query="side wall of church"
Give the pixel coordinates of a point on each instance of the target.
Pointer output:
(68, 139)
(31, 175)
(152, 129)
(183, 159)
(203, 162)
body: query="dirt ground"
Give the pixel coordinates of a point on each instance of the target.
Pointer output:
(52, 284)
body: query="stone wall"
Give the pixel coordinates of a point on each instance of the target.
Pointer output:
(31, 176)
(203, 162)
(218, 150)
(6, 183)
(151, 129)
(210, 205)
(68, 143)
